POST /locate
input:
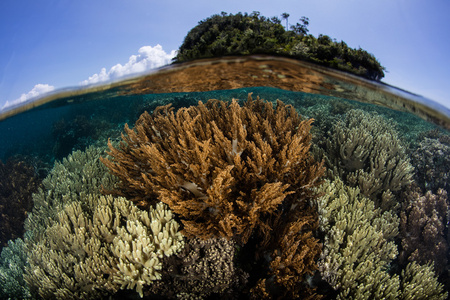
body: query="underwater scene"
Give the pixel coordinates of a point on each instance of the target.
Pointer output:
(268, 180)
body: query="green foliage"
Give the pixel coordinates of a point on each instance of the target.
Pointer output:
(243, 34)
(301, 28)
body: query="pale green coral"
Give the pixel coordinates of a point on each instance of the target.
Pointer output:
(78, 175)
(420, 282)
(358, 244)
(359, 248)
(89, 253)
(84, 245)
(365, 151)
(13, 261)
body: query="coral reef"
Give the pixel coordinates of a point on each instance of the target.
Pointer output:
(241, 182)
(83, 245)
(18, 181)
(365, 151)
(358, 246)
(244, 173)
(423, 222)
(292, 258)
(203, 268)
(432, 164)
(12, 266)
(90, 253)
(420, 282)
(359, 249)
(78, 175)
(225, 170)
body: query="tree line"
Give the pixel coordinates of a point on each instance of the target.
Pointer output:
(244, 34)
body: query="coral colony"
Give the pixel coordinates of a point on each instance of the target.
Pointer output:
(223, 200)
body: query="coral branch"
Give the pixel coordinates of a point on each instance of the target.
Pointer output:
(224, 169)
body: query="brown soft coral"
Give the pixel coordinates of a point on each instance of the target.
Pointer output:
(226, 170)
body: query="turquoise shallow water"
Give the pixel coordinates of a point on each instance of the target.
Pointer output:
(75, 124)
(382, 203)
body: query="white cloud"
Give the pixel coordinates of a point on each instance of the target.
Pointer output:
(38, 90)
(148, 58)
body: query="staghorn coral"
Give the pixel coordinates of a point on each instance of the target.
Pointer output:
(225, 170)
(423, 221)
(89, 253)
(365, 151)
(202, 269)
(358, 246)
(293, 256)
(18, 181)
(432, 162)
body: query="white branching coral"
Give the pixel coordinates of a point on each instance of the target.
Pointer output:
(114, 246)
(141, 244)
(83, 245)
(80, 173)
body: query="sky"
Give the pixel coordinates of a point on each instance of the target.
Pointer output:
(53, 44)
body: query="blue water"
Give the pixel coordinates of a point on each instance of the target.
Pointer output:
(54, 130)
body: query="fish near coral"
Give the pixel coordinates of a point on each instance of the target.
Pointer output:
(226, 170)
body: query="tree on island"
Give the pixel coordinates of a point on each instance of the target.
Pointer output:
(285, 16)
(301, 28)
(244, 34)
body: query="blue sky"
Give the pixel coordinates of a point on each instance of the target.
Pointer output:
(49, 44)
